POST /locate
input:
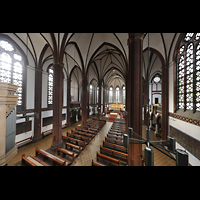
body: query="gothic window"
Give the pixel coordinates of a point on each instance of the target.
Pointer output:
(50, 85)
(97, 94)
(110, 95)
(91, 95)
(11, 67)
(117, 94)
(156, 89)
(123, 94)
(188, 73)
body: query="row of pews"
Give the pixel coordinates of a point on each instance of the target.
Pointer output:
(73, 144)
(113, 153)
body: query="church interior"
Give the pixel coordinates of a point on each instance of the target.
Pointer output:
(100, 99)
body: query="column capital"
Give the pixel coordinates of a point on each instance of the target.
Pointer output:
(69, 80)
(135, 36)
(58, 63)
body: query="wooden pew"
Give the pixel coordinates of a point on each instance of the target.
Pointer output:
(115, 147)
(115, 137)
(55, 160)
(71, 146)
(75, 141)
(92, 133)
(113, 141)
(120, 155)
(65, 152)
(115, 133)
(98, 164)
(107, 159)
(91, 136)
(80, 137)
(32, 161)
(29, 162)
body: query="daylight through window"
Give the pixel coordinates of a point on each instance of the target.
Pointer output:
(11, 67)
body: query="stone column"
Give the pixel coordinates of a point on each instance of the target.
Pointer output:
(84, 102)
(99, 101)
(68, 102)
(8, 101)
(146, 99)
(104, 98)
(135, 96)
(57, 105)
(38, 98)
(165, 102)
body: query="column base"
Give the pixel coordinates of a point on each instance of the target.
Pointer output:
(36, 139)
(5, 158)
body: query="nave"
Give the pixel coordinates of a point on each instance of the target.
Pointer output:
(89, 154)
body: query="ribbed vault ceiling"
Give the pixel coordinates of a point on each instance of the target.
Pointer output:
(104, 53)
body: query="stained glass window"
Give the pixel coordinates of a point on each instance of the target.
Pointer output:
(188, 72)
(11, 67)
(50, 85)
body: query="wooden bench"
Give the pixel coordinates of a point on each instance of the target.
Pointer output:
(93, 129)
(115, 133)
(25, 141)
(113, 141)
(114, 153)
(107, 159)
(98, 164)
(86, 131)
(65, 152)
(71, 146)
(48, 132)
(115, 147)
(29, 162)
(75, 141)
(32, 161)
(55, 159)
(80, 137)
(114, 136)
(91, 136)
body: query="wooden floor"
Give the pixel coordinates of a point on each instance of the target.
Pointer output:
(29, 149)
(160, 159)
(90, 152)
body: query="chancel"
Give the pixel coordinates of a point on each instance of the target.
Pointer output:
(99, 99)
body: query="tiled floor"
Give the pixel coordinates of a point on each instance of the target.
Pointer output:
(89, 153)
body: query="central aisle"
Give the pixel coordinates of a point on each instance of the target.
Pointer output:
(90, 152)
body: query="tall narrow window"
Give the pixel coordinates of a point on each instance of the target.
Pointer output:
(111, 95)
(50, 85)
(11, 67)
(123, 94)
(188, 72)
(91, 95)
(97, 94)
(197, 76)
(117, 94)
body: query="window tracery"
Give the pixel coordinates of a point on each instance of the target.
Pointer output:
(50, 85)
(188, 72)
(11, 67)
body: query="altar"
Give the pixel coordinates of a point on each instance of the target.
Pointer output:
(113, 115)
(116, 106)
